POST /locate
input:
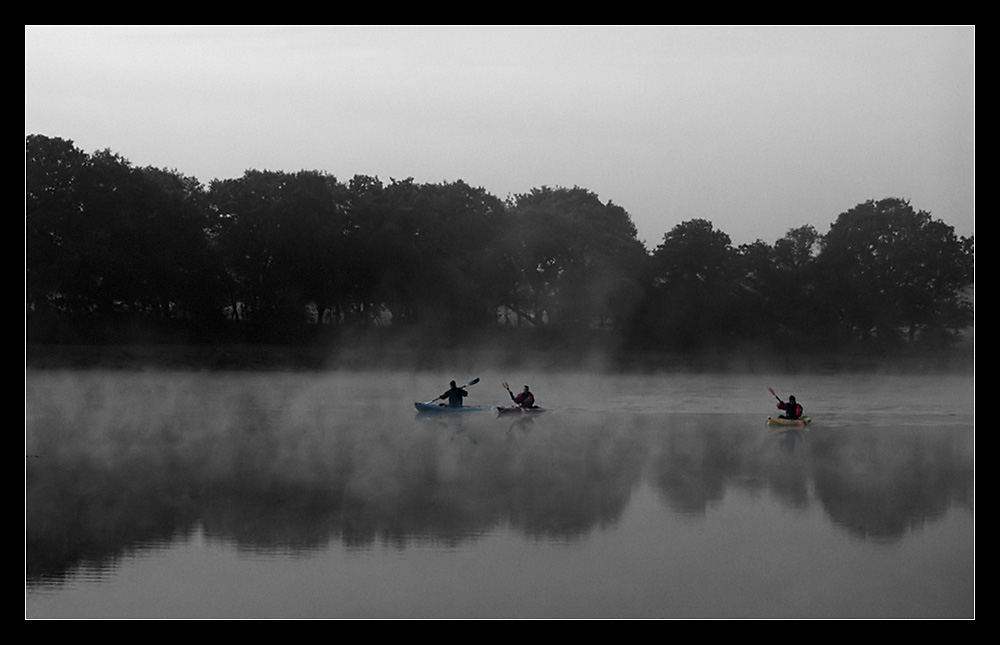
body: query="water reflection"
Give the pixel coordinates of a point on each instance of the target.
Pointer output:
(116, 465)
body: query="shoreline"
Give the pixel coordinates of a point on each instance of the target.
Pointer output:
(234, 356)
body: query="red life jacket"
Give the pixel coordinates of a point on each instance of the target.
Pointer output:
(791, 411)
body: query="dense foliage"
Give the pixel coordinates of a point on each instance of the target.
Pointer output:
(112, 247)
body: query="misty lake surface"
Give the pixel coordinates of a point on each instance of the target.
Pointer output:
(326, 495)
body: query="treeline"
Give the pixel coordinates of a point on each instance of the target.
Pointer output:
(275, 255)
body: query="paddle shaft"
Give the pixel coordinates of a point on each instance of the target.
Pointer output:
(472, 382)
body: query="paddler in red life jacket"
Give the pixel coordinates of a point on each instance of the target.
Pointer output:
(525, 399)
(792, 409)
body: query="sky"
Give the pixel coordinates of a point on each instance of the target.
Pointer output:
(758, 130)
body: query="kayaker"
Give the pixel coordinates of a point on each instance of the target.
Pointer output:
(525, 399)
(792, 409)
(454, 396)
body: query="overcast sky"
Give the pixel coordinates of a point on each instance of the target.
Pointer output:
(756, 129)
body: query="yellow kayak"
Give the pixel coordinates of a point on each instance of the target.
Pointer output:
(778, 421)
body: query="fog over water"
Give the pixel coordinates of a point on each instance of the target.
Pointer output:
(325, 494)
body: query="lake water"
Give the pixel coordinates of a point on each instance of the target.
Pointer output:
(325, 495)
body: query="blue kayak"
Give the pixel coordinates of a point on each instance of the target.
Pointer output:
(434, 407)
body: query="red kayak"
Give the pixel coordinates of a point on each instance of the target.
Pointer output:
(516, 409)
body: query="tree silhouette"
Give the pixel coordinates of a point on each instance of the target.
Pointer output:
(893, 273)
(104, 238)
(692, 288)
(283, 239)
(110, 247)
(577, 261)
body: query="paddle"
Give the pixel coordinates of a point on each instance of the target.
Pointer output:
(790, 410)
(514, 399)
(472, 382)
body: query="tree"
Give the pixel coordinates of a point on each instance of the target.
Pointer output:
(52, 173)
(693, 288)
(461, 252)
(426, 254)
(759, 292)
(782, 298)
(179, 245)
(577, 261)
(894, 273)
(282, 237)
(104, 237)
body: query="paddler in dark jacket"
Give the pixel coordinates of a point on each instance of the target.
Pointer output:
(454, 396)
(525, 399)
(792, 409)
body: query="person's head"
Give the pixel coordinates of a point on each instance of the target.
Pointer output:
(453, 383)
(526, 388)
(791, 398)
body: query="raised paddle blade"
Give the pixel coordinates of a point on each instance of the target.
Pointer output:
(472, 382)
(771, 390)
